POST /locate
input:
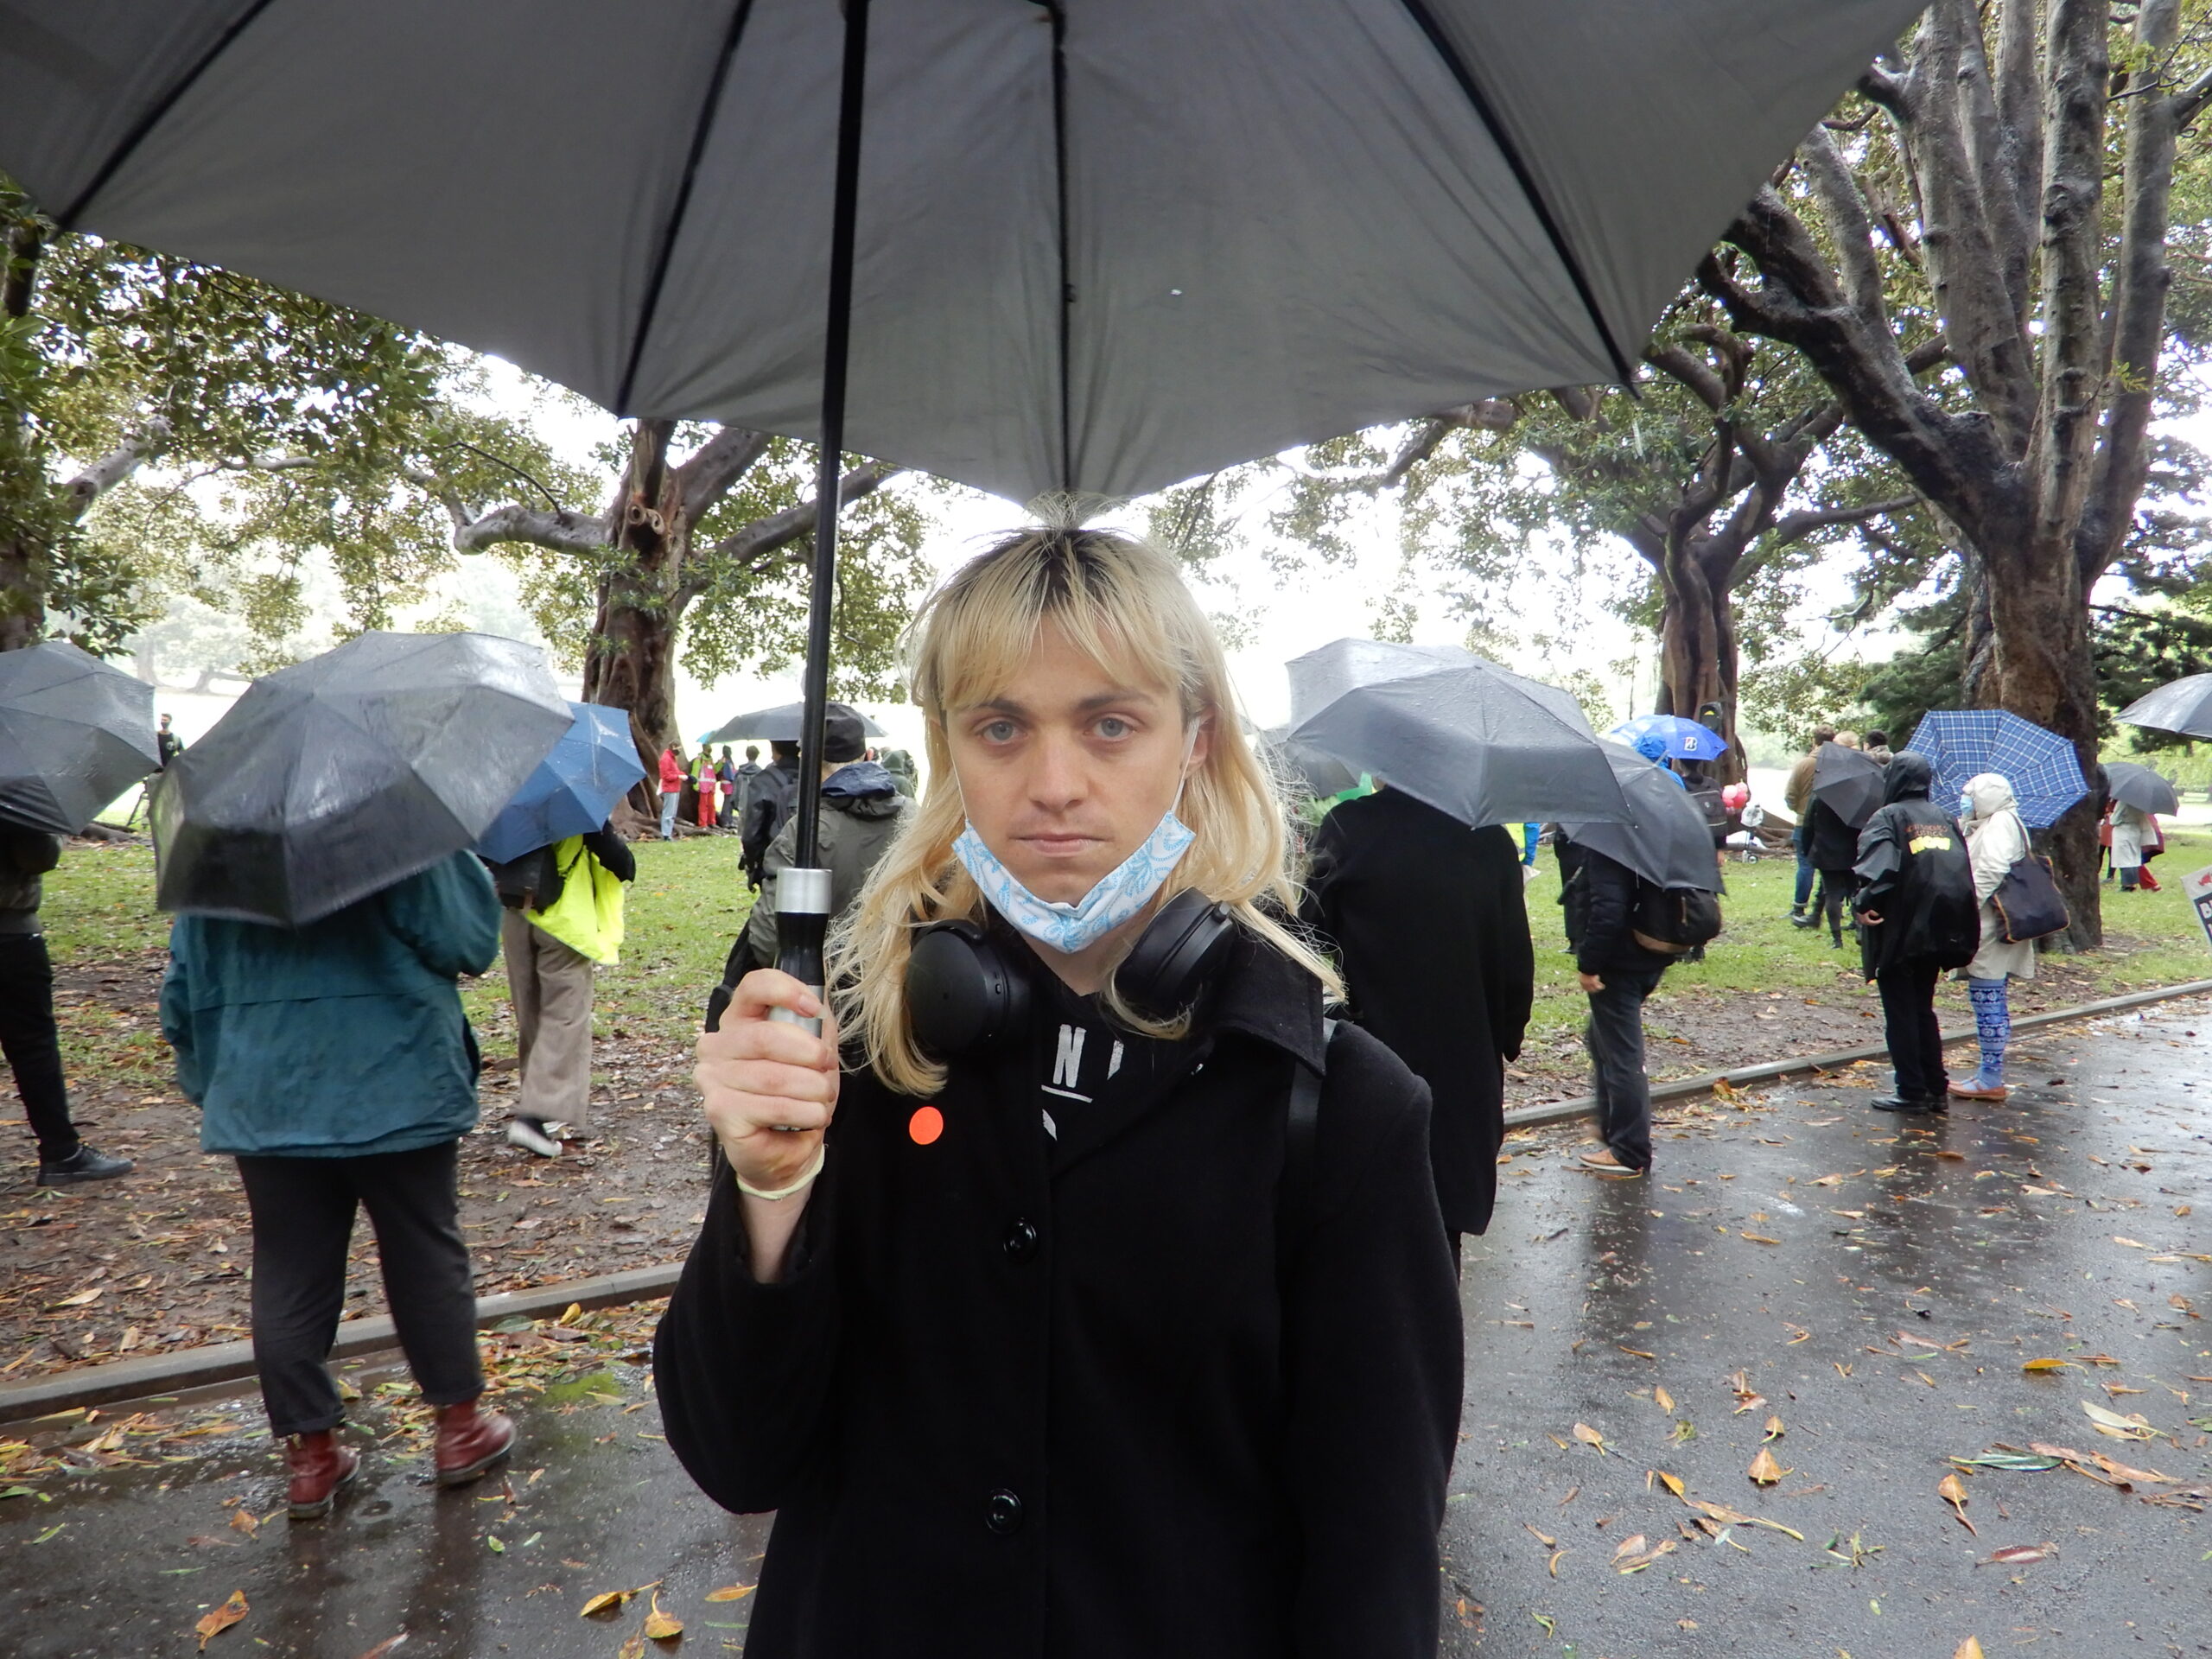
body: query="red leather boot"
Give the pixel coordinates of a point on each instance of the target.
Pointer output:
(320, 1466)
(470, 1441)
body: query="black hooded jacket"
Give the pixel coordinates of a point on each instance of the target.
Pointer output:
(1915, 874)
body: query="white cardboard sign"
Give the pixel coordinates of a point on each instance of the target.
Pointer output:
(2198, 886)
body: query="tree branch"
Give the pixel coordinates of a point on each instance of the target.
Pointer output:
(715, 465)
(111, 469)
(1795, 527)
(556, 530)
(752, 544)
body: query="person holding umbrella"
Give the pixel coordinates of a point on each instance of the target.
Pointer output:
(1102, 1306)
(1997, 840)
(1797, 795)
(1918, 917)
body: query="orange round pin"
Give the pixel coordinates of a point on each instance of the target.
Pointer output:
(925, 1125)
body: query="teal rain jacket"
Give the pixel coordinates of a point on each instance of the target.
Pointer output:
(341, 1039)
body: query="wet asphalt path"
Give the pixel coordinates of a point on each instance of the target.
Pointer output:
(1885, 1325)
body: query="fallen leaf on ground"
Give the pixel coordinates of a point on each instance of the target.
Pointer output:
(612, 1599)
(1764, 1469)
(2131, 1244)
(633, 1648)
(1666, 1400)
(1728, 1517)
(659, 1626)
(730, 1592)
(2019, 1554)
(1952, 1491)
(1590, 1436)
(2120, 1428)
(2046, 1365)
(82, 1298)
(2121, 1472)
(1637, 1563)
(1672, 1483)
(242, 1522)
(1774, 1429)
(221, 1619)
(1632, 1545)
(1543, 1538)
(389, 1644)
(1760, 1238)
(1970, 1648)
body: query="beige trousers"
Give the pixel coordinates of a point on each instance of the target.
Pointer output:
(551, 986)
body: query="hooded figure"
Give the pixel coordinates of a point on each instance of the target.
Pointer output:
(1996, 841)
(1918, 916)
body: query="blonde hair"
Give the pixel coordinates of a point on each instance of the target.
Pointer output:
(1121, 602)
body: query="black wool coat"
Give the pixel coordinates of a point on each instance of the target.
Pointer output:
(1010, 1402)
(1914, 873)
(1430, 927)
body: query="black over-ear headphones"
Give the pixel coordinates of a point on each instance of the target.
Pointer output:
(965, 992)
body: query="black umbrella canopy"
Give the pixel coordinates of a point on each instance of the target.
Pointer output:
(1478, 742)
(2183, 708)
(781, 724)
(74, 734)
(331, 780)
(1668, 841)
(1848, 783)
(2139, 786)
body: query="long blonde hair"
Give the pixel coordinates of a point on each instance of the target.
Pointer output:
(1122, 602)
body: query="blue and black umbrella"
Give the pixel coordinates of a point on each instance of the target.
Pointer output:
(1685, 739)
(2040, 765)
(592, 766)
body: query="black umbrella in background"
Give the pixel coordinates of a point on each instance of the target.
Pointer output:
(2182, 708)
(1848, 783)
(782, 724)
(333, 779)
(74, 734)
(1668, 841)
(2139, 786)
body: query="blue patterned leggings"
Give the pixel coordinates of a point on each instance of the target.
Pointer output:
(1992, 1025)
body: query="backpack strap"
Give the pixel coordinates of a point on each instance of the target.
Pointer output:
(1301, 1133)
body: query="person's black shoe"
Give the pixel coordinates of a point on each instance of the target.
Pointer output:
(1907, 1106)
(82, 1165)
(1799, 918)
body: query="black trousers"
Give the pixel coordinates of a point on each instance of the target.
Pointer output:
(303, 1222)
(32, 1045)
(1908, 1025)
(1835, 897)
(1615, 1039)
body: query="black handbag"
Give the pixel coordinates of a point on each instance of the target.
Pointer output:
(2028, 905)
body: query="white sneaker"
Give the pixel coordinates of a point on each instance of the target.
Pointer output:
(533, 1136)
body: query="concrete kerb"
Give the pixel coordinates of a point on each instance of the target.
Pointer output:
(230, 1362)
(1561, 1111)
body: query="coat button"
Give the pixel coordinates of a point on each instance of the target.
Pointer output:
(1020, 1241)
(1004, 1514)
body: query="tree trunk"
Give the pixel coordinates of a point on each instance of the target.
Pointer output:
(630, 661)
(1697, 650)
(22, 595)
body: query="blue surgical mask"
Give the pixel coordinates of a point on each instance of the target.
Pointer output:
(1966, 804)
(1124, 891)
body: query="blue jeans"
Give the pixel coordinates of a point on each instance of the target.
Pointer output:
(1804, 871)
(667, 815)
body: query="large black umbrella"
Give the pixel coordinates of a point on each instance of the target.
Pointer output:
(331, 780)
(781, 724)
(1477, 742)
(2183, 708)
(74, 734)
(1668, 841)
(1848, 782)
(2139, 786)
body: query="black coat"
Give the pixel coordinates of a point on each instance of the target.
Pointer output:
(1830, 841)
(1598, 894)
(1915, 871)
(1431, 929)
(1013, 1403)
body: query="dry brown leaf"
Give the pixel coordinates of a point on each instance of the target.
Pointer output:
(1637, 1563)
(2019, 1554)
(613, 1599)
(2046, 1365)
(242, 1522)
(215, 1623)
(1590, 1436)
(659, 1626)
(1632, 1545)
(1954, 1492)
(1970, 1648)
(1672, 1483)
(730, 1592)
(1666, 1400)
(2121, 1472)
(2120, 1428)
(1764, 1469)
(633, 1648)
(82, 1298)
(1774, 1429)
(2131, 1244)
(1555, 1561)
(1543, 1538)
(390, 1645)
(1760, 1238)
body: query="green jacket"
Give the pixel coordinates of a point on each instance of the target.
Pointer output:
(341, 1039)
(861, 814)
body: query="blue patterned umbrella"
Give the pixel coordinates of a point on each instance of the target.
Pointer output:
(2040, 765)
(574, 788)
(1685, 739)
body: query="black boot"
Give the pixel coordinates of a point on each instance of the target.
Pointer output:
(82, 1165)
(1907, 1105)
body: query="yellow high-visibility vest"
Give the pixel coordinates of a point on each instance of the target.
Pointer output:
(587, 916)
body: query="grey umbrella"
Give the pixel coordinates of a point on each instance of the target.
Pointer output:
(778, 725)
(1668, 841)
(2183, 708)
(1477, 742)
(1848, 783)
(2139, 786)
(1320, 676)
(331, 780)
(74, 734)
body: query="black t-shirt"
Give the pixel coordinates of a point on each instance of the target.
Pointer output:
(1092, 1075)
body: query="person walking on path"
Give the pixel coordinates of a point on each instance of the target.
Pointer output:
(2127, 843)
(1430, 927)
(671, 790)
(1996, 841)
(1835, 847)
(334, 1062)
(1132, 1332)
(561, 921)
(1797, 795)
(30, 1039)
(1917, 917)
(862, 813)
(768, 802)
(1619, 974)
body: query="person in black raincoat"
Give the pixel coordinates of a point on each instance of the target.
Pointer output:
(1835, 849)
(1918, 916)
(1072, 1343)
(1431, 930)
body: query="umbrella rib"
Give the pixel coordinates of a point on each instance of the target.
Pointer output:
(1441, 43)
(664, 255)
(1058, 14)
(155, 113)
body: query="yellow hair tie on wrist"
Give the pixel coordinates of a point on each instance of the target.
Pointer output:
(821, 1157)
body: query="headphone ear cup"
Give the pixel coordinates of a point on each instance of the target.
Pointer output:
(963, 995)
(1178, 953)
